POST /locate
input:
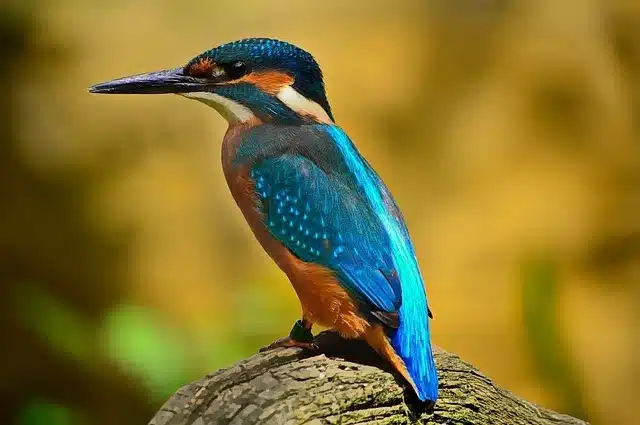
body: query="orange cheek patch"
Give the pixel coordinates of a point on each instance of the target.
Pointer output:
(270, 81)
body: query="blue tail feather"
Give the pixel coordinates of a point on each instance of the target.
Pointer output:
(411, 342)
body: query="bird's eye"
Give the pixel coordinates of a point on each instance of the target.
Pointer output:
(236, 70)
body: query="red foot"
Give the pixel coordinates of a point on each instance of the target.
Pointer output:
(288, 342)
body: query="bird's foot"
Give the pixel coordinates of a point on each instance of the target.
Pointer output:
(288, 342)
(300, 337)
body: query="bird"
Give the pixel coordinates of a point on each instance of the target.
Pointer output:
(313, 202)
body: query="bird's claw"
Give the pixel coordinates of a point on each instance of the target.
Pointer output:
(300, 336)
(289, 342)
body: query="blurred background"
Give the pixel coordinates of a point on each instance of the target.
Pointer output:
(508, 130)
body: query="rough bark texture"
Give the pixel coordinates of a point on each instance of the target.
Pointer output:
(343, 383)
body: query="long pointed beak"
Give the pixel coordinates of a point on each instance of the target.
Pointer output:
(159, 82)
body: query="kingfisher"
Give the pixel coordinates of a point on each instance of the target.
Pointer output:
(313, 202)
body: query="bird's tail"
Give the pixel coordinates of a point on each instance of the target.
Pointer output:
(412, 343)
(410, 357)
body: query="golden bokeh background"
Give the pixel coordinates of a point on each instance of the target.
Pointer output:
(508, 131)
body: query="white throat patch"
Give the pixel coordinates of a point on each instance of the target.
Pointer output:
(230, 110)
(300, 104)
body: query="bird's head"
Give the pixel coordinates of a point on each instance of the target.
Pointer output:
(261, 78)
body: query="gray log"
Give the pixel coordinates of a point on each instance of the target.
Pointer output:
(343, 383)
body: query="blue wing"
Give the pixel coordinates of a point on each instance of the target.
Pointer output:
(322, 219)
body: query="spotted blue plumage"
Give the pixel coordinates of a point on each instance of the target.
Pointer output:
(310, 213)
(323, 201)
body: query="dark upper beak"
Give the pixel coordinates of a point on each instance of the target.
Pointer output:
(159, 82)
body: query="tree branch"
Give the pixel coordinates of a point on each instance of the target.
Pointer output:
(344, 382)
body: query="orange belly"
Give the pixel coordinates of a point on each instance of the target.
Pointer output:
(323, 299)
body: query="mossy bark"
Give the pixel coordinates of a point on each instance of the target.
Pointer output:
(343, 383)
